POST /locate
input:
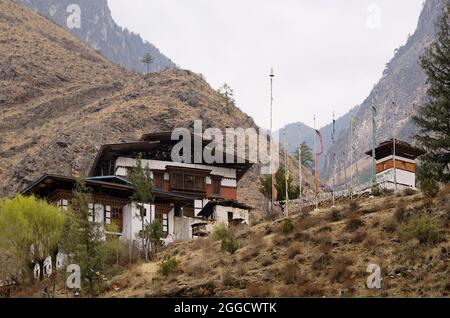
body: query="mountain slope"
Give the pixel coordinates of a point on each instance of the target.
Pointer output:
(60, 101)
(298, 133)
(326, 255)
(101, 33)
(404, 83)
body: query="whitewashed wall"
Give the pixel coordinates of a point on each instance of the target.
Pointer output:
(161, 165)
(132, 222)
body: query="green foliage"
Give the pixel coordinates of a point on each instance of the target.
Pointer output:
(169, 265)
(83, 241)
(228, 94)
(433, 119)
(376, 191)
(114, 247)
(280, 185)
(30, 230)
(287, 227)
(153, 233)
(148, 60)
(423, 228)
(221, 232)
(428, 175)
(306, 155)
(229, 245)
(142, 182)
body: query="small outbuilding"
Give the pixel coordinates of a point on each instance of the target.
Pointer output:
(396, 164)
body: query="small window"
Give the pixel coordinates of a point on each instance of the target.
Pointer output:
(158, 181)
(216, 185)
(230, 216)
(63, 204)
(178, 211)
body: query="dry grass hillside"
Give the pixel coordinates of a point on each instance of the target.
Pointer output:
(326, 253)
(60, 101)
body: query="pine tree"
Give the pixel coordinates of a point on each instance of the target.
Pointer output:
(83, 238)
(307, 156)
(142, 182)
(147, 59)
(280, 180)
(228, 94)
(433, 119)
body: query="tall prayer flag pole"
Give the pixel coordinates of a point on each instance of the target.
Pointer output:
(300, 168)
(374, 142)
(352, 123)
(334, 160)
(315, 165)
(286, 173)
(394, 144)
(272, 75)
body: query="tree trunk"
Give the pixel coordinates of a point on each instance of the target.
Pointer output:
(31, 267)
(41, 272)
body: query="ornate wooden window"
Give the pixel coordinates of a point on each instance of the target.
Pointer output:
(187, 180)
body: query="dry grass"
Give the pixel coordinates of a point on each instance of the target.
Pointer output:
(258, 290)
(294, 250)
(313, 262)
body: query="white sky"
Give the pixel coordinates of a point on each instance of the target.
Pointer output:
(327, 54)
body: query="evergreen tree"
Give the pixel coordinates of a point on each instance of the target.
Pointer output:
(148, 60)
(280, 180)
(83, 238)
(228, 94)
(307, 156)
(142, 182)
(433, 118)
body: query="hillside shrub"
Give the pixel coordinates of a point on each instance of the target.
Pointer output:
(353, 224)
(229, 245)
(287, 227)
(334, 215)
(353, 206)
(221, 232)
(424, 228)
(169, 265)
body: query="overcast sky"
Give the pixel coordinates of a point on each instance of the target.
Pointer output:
(327, 54)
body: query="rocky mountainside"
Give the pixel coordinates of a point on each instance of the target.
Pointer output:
(98, 29)
(298, 133)
(404, 83)
(60, 101)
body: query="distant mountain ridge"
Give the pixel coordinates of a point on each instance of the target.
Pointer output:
(404, 84)
(100, 32)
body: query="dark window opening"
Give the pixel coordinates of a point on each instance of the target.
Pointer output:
(178, 211)
(230, 216)
(216, 187)
(158, 181)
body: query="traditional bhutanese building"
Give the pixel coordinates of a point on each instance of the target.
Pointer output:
(405, 164)
(189, 199)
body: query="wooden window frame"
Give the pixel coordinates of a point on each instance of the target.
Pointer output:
(179, 176)
(217, 179)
